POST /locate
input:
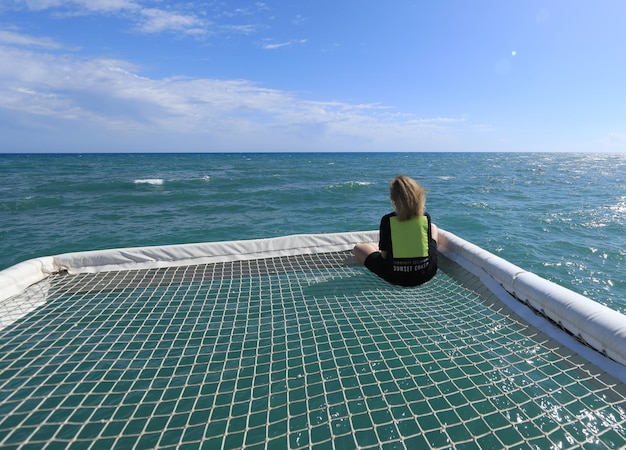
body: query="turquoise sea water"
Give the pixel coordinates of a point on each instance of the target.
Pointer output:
(562, 216)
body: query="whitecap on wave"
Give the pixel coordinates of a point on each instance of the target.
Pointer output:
(351, 184)
(153, 181)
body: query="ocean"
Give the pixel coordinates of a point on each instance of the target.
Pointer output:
(562, 216)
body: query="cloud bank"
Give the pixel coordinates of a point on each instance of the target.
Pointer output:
(57, 98)
(54, 99)
(98, 102)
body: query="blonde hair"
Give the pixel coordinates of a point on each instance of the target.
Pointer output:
(408, 197)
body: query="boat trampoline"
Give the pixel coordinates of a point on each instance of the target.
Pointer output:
(288, 343)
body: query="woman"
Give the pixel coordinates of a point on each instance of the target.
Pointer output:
(407, 251)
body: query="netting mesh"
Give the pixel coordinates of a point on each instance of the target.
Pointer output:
(290, 352)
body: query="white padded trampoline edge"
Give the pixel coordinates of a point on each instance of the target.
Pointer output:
(15, 279)
(602, 328)
(207, 253)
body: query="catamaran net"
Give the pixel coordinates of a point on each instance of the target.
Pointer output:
(290, 352)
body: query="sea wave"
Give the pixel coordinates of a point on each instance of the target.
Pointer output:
(350, 184)
(152, 181)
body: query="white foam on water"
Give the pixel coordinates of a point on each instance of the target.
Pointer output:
(153, 181)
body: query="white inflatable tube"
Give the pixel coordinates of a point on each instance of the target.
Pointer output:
(15, 279)
(600, 327)
(207, 253)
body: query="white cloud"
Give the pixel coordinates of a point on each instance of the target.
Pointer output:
(10, 38)
(241, 29)
(158, 20)
(185, 18)
(105, 6)
(147, 20)
(284, 44)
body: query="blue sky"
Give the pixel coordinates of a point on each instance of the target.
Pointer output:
(312, 75)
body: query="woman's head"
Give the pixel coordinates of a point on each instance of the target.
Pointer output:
(407, 196)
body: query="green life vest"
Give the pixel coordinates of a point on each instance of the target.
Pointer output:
(409, 238)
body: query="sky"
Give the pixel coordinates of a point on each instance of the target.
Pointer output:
(312, 75)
